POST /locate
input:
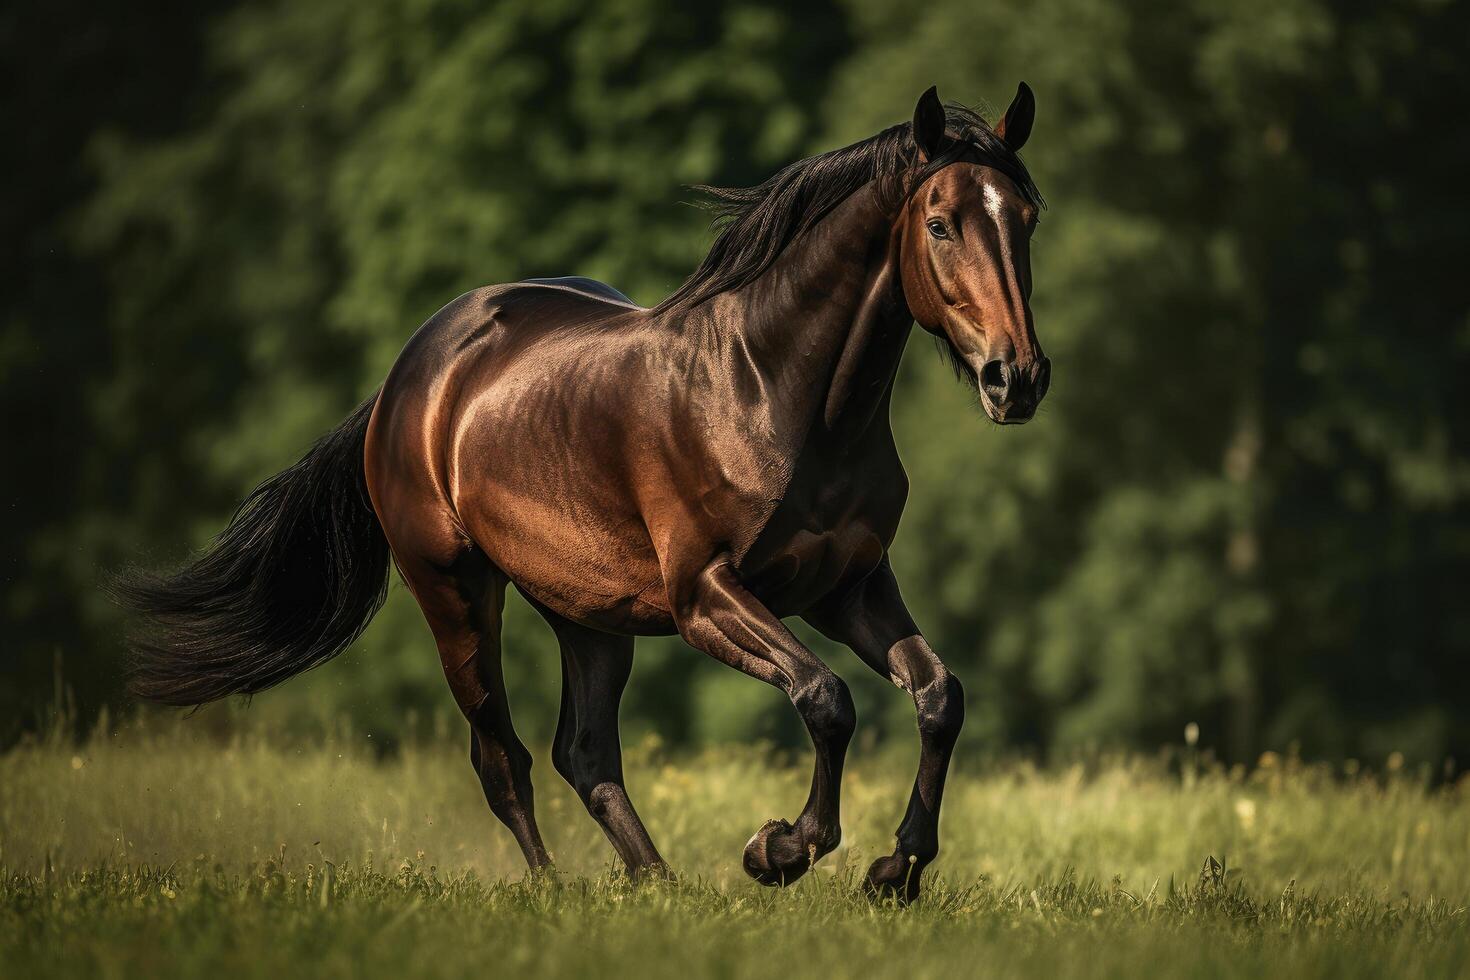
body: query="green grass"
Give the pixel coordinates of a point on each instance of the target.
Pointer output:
(174, 851)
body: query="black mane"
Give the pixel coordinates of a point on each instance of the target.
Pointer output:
(757, 223)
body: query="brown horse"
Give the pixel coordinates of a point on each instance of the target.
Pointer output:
(706, 466)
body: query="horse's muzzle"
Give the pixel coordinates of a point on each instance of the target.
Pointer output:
(1011, 392)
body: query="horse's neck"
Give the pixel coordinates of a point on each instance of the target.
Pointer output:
(827, 322)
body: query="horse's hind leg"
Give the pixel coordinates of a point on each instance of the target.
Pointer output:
(464, 607)
(595, 668)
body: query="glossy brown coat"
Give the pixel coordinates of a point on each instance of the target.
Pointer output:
(706, 469)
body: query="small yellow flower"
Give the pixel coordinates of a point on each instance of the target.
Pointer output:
(1245, 810)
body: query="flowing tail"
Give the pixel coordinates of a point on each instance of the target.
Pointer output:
(289, 584)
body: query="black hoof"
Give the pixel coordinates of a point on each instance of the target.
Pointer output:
(895, 877)
(777, 855)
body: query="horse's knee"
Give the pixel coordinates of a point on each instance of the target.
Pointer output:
(941, 707)
(826, 706)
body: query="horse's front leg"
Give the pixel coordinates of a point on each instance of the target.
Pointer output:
(872, 619)
(717, 615)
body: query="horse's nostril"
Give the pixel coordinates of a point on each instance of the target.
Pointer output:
(1043, 378)
(993, 376)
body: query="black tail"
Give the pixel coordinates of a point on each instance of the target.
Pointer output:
(289, 584)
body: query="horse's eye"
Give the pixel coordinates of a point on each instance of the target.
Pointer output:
(937, 229)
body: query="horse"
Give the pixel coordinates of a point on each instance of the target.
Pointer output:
(705, 467)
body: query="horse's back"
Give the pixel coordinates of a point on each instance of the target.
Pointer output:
(507, 314)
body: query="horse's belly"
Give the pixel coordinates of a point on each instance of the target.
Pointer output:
(595, 572)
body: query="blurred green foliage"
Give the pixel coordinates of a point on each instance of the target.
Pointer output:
(1245, 503)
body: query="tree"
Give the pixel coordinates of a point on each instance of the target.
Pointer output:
(70, 69)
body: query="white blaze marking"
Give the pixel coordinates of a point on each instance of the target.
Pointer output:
(994, 204)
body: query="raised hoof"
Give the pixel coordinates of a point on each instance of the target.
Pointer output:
(892, 877)
(776, 855)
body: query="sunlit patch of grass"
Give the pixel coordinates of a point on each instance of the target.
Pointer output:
(164, 850)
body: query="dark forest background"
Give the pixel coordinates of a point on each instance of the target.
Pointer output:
(1245, 505)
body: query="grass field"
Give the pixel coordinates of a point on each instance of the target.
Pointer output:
(172, 851)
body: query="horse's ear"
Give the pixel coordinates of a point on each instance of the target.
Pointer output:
(1015, 126)
(929, 124)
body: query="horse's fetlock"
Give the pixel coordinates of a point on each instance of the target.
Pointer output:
(919, 851)
(823, 840)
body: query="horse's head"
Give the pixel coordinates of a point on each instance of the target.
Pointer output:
(965, 252)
